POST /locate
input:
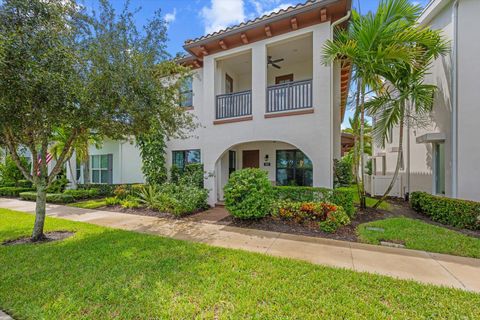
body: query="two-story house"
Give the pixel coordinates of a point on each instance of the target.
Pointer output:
(263, 98)
(443, 153)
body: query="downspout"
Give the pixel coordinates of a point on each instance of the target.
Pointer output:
(332, 88)
(454, 80)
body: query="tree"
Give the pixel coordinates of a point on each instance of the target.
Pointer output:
(66, 69)
(405, 89)
(374, 43)
(79, 147)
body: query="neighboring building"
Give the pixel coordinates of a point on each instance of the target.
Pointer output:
(263, 98)
(444, 154)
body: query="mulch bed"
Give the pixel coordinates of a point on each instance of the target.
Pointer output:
(347, 233)
(269, 223)
(49, 237)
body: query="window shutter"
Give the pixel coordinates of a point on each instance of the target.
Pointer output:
(110, 168)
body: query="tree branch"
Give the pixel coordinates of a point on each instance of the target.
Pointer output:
(13, 152)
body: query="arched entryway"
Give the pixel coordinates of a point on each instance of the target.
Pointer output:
(285, 163)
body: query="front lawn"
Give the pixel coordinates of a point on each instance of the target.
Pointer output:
(104, 273)
(420, 235)
(89, 204)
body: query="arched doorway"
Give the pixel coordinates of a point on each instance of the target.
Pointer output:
(285, 163)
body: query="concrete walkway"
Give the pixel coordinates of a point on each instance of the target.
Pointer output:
(439, 269)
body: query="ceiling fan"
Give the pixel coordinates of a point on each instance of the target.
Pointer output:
(274, 62)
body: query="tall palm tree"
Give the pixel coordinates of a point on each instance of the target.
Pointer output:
(372, 42)
(405, 89)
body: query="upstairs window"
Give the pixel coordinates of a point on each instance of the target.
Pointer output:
(186, 93)
(183, 157)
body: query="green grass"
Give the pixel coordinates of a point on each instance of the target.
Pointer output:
(421, 236)
(89, 204)
(103, 273)
(370, 201)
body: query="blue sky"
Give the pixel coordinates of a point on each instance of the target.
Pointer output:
(188, 19)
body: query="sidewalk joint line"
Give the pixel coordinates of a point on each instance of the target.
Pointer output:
(446, 269)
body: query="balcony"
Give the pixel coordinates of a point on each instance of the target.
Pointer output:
(231, 105)
(288, 96)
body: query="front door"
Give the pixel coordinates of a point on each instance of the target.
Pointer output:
(251, 159)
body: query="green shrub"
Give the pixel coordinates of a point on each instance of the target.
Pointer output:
(51, 197)
(112, 201)
(177, 199)
(107, 190)
(334, 220)
(343, 171)
(193, 175)
(248, 194)
(12, 191)
(343, 197)
(455, 212)
(7, 184)
(58, 185)
(175, 173)
(79, 194)
(9, 172)
(24, 184)
(130, 203)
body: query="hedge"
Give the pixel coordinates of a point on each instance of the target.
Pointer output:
(13, 191)
(343, 197)
(107, 190)
(78, 194)
(51, 197)
(455, 212)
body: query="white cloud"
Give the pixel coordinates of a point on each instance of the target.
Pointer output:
(171, 16)
(277, 8)
(222, 13)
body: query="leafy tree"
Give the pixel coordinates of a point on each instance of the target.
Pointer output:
(65, 68)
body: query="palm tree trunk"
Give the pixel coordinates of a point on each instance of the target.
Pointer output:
(363, 203)
(399, 162)
(355, 142)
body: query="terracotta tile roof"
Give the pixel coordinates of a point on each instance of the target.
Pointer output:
(272, 15)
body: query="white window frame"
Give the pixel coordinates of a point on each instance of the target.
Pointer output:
(100, 168)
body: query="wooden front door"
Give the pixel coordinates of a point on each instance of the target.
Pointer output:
(251, 159)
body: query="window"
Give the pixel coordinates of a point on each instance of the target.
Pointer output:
(293, 168)
(183, 157)
(186, 93)
(102, 168)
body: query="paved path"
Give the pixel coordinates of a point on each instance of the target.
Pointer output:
(4, 316)
(439, 269)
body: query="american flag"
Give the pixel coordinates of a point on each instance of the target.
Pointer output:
(49, 158)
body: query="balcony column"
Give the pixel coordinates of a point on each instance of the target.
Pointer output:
(321, 94)
(259, 80)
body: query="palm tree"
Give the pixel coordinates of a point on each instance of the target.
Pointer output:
(405, 89)
(373, 42)
(80, 146)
